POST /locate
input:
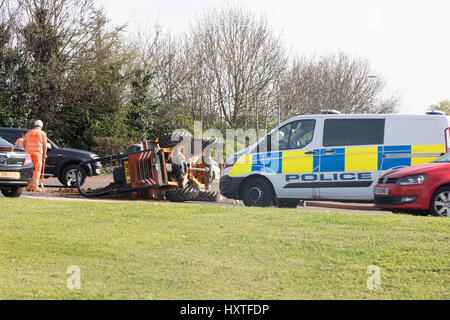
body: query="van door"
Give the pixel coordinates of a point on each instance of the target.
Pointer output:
(351, 157)
(296, 144)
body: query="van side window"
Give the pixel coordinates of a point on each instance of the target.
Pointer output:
(302, 134)
(352, 132)
(280, 138)
(294, 135)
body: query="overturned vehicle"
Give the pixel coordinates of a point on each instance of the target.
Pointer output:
(175, 167)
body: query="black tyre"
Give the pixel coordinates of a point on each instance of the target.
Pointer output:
(257, 192)
(280, 203)
(12, 192)
(119, 175)
(208, 196)
(182, 194)
(440, 202)
(68, 176)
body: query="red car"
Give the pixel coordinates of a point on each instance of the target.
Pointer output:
(420, 189)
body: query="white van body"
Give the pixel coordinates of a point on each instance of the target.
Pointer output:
(336, 157)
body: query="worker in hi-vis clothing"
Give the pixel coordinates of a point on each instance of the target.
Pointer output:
(35, 144)
(19, 143)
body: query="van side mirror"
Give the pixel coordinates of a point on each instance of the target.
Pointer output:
(49, 146)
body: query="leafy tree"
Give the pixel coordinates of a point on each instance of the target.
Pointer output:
(13, 73)
(93, 115)
(42, 50)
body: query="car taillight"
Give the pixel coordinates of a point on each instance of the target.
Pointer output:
(27, 160)
(6, 149)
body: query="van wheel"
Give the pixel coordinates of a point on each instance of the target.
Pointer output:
(257, 192)
(68, 176)
(12, 192)
(440, 202)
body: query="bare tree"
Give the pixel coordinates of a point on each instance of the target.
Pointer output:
(237, 62)
(334, 82)
(75, 22)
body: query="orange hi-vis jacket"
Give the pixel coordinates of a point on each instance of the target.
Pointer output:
(19, 143)
(35, 141)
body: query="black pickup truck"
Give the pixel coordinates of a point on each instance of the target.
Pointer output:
(61, 162)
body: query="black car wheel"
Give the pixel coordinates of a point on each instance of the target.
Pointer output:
(12, 192)
(440, 202)
(68, 176)
(257, 192)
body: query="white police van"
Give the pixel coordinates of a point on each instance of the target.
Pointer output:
(331, 157)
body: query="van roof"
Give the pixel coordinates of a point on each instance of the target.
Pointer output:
(365, 115)
(362, 115)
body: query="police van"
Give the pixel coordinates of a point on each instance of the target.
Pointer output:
(331, 157)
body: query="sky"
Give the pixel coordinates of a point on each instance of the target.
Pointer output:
(406, 41)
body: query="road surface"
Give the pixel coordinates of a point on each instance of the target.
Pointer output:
(54, 190)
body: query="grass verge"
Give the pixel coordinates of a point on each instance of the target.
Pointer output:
(175, 251)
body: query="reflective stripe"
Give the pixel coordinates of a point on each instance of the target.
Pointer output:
(297, 162)
(361, 159)
(332, 162)
(348, 159)
(397, 156)
(242, 166)
(269, 163)
(19, 143)
(426, 153)
(33, 141)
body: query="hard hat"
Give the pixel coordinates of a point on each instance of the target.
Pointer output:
(39, 123)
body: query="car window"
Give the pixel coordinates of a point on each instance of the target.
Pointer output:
(302, 134)
(444, 158)
(54, 145)
(280, 138)
(294, 135)
(351, 132)
(9, 136)
(5, 144)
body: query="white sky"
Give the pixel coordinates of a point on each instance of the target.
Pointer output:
(406, 41)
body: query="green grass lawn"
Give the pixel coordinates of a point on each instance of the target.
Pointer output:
(171, 251)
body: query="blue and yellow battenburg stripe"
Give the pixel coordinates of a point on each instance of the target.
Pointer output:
(351, 159)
